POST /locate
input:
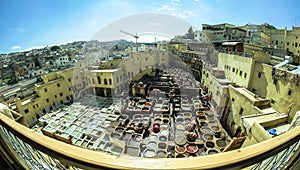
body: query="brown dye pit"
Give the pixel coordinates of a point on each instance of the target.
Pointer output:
(180, 149)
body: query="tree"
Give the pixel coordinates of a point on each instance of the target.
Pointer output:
(55, 48)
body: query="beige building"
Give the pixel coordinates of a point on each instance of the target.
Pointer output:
(287, 39)
(239, 68)
(258, 34)
(223, 32)
(71, 84)
(57, 88)
(216, 85)
(252, 115)
(282, 88)
(107, 82)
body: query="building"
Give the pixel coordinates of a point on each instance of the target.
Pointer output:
(223, 32)
(198, 102)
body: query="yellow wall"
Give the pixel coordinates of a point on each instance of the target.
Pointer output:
(57, 88)
(62, 86)
(278, 94)
(287, 39)
(237, 68)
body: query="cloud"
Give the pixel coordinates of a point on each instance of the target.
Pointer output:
(43, 46)
(189, 13)
(20, 30)
(165, 8)
(15, 47)
(185, 14)
(176, 3)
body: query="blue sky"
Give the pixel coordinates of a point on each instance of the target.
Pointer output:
(32, 23)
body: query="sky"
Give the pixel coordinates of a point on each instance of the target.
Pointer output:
(33, 23)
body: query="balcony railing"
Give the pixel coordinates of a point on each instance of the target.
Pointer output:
(37, 151)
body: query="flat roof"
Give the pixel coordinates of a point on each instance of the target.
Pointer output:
(105, 70)
(230, 43)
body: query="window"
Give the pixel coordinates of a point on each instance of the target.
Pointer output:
(287, 43)
(289, 92)
(232, 99)
(273, 101)
(259, 74)
(58, 85)
(296, 44)
(117, 79)
(26, 111)
(241, 111)
(93, 80)
(146, 58)
(69, 89)
(110, 81)
(61, 94)
(55, 96)
(233, 69)
(99, 79)
(45, 90)
(276, 42)
(105, 82)
(245, 75)
(111, 64)
(47, 100)
(241, 73)
(69, 79)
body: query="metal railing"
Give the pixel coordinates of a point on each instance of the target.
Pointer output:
(41, 152)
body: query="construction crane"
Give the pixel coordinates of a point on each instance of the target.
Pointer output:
(135, 36)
